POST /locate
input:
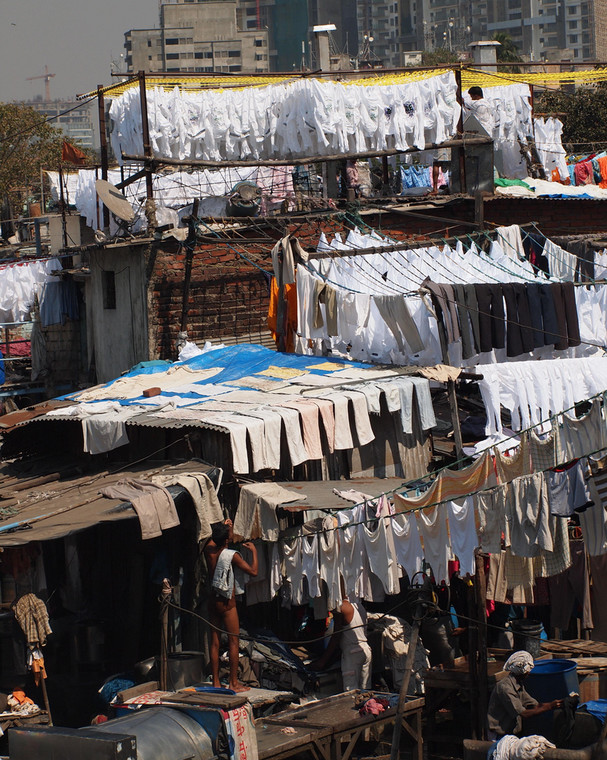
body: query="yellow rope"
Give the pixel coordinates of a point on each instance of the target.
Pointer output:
(469, 77)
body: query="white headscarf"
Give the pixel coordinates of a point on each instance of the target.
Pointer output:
(520, 663)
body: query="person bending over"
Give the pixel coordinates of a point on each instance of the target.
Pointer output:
(223, 614)
(349, 634)
(510, 702)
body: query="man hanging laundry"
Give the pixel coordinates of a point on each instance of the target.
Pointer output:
(481, 109)
(350, 635)
(510, 702)
(222, 600)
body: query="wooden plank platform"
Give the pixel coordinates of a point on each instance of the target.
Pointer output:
(330, 727)
(272, 742)
(575, 648)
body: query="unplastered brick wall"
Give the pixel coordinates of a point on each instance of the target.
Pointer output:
(553, 216)
(228, 297)
(65, 357)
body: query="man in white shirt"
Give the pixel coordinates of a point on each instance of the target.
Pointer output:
(350, 635)
(481, 109)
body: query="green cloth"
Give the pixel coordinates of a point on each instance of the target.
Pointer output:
(511, 183)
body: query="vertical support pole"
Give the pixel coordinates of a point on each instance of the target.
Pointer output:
(165, 597)
(47, 705)
(473, 674)
(457, 431)
(281, 307)
(385, 175)
(42, 201)
(62, 204)
(479, 210)
(103, 147)
(404, 687)
(145, 132)
(460, 131)
(189, 259)
(480, 589)
(37, 237)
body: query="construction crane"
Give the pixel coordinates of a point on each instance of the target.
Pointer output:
(47, 87)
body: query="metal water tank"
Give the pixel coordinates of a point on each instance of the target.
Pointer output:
(163, 733)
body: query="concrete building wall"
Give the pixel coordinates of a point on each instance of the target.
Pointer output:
(600, 29)
(76, 121)
(553, 30)
(144, 50)
(198, 37)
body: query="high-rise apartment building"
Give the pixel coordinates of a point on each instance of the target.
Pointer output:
(73, 118)
(552, 30)
(241, 35)
(542, 29)
(290, 24)
(392, 28)
(203, 36)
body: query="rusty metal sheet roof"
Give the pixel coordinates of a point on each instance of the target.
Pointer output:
(47, 505)
(21, 416)
(320, 494)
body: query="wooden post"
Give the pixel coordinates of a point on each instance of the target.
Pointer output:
(475, 685)
(62, 204)
(145, 132)
(460, 131)
(281, 306)
(164, 635)
(189, 259)
(457, 431)
(404, 687)
(480, 594)
(479, 209)
(385, 176)
(103, 147)
(47, 705)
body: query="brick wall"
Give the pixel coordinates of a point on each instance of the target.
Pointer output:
(65, 355)
(228, 297)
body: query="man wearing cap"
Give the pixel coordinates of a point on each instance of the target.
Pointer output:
(510, 702)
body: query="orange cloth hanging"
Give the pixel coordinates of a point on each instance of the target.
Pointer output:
(290, 292)
(38, 670)
(603, 170)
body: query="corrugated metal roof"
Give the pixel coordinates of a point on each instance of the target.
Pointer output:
(320, 494)
(22, 416)
(150, 419)
(50, 506)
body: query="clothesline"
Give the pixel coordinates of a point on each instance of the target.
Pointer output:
(484, 233)
(448, 468)
(513, 321)
(388, 274)
(525, 513)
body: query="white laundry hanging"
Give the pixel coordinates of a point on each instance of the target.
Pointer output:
(437, 548)
(299, 118)
(462, 529)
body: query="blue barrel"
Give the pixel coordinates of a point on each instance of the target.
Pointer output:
(552, 679)
(549, 679)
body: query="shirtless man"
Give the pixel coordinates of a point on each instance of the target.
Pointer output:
(222, 602)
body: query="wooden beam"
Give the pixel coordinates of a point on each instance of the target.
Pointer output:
(454, 143)
(457, 430)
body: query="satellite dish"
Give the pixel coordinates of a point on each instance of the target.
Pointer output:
(114, 201)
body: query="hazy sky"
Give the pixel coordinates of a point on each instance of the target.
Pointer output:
(76, 39)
